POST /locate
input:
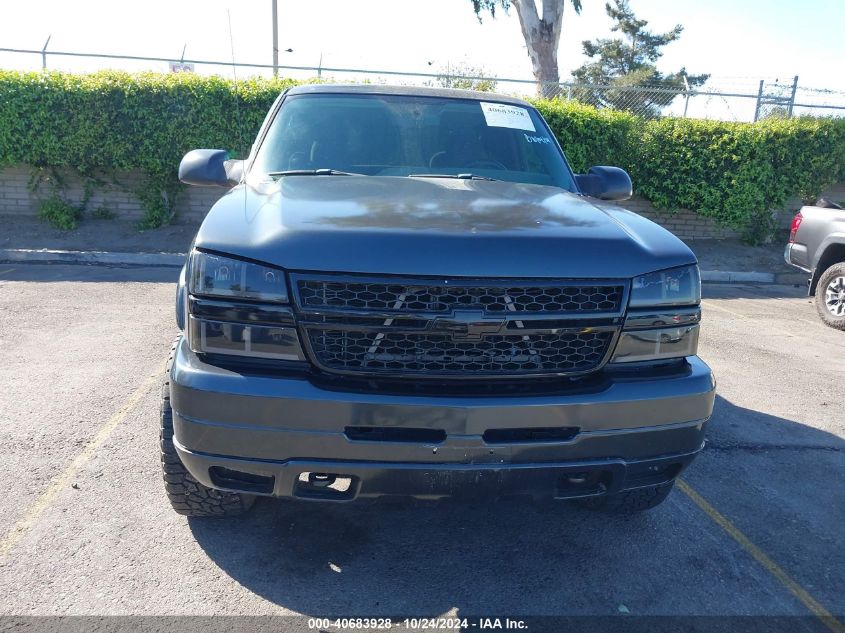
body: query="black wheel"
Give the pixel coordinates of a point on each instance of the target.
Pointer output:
(630, 501)
(186, 494)
(830, 296)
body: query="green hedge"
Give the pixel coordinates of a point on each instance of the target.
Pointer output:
(735, 173)
(105, 124)
(590, 136)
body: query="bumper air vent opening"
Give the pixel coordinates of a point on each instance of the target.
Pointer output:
(241, 481)
(537, 434)
(394, 434)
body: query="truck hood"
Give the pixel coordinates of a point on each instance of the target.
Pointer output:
(435, 227)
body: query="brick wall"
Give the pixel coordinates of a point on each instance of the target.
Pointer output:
(17, 199)
(684, 223)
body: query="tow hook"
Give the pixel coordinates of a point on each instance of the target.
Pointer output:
(321, 480)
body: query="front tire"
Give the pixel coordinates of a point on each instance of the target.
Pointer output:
(629, 501)
(830, 296)
(188, 496)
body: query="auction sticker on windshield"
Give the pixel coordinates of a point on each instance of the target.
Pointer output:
(502, 115)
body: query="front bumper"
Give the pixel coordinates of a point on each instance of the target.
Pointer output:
(258, 433)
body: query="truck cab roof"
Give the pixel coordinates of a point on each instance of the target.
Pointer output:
(409, 91)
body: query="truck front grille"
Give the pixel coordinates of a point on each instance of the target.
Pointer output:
(438, 354)
(456, 327)
(444, 297)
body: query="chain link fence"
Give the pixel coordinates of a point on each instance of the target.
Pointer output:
(726, 98)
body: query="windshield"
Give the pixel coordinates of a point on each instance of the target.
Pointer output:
(384, 135)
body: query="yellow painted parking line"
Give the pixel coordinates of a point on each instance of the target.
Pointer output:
(64, 480)
(761, 557)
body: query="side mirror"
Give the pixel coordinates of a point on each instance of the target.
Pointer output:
(606, 183)
(210, 167)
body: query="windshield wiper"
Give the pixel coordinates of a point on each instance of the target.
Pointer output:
(459, 176)
(312, 172)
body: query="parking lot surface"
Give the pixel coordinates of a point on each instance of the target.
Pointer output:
(756, 528)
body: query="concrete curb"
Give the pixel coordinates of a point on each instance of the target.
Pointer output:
(729, 276)
(46, 256)
(733, 277)
(798, 279)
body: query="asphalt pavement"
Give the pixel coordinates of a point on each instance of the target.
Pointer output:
(756, 527)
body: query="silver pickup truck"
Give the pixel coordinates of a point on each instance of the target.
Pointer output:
(408, 292)
(817, 246)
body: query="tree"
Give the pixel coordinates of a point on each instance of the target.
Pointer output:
(463, 77)
(625, 67)
(541, 34)
(773, 112)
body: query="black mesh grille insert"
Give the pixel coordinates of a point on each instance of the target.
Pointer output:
(458, 327)
(438, 354)
(431, 297)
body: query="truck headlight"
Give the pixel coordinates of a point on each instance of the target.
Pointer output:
(218, 276)
(669, 299)
(656, 344)
(241, 339)
(236, 308)
(673, 287)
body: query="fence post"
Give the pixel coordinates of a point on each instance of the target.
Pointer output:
(44, 53)
(792, 97)
(686, 98)
(275, 19)
(759, 98)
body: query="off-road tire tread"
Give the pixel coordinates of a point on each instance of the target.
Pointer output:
(630, 501)
(188, 496)
(821, 286)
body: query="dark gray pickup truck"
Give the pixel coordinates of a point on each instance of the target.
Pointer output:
(817, 246)
(408, 292)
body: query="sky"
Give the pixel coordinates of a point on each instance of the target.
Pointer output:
(738, 42)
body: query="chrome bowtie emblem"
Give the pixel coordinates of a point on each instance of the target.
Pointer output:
(468, 324)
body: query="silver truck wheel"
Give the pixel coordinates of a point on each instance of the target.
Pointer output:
(830, 296)
(834, 297)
